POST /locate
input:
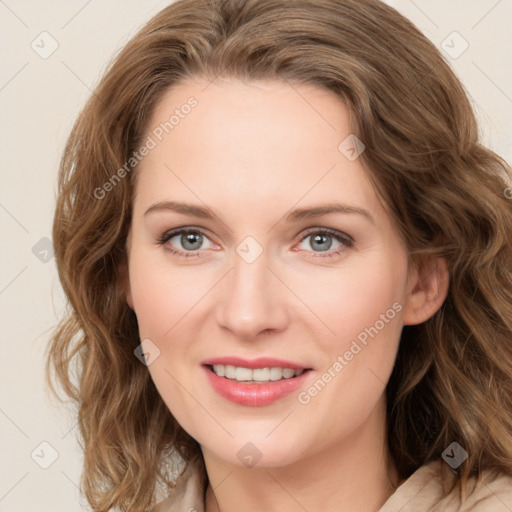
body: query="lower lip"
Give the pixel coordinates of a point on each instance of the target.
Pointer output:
(254, 395)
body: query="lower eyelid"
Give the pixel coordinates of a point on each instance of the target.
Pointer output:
(185, 254)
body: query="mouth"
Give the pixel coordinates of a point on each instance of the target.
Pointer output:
(255, 383)
(255, 375)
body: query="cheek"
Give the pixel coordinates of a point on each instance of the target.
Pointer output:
(162, 295)
(361, 306)
(353, 298)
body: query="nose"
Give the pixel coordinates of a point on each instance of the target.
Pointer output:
(252, 301)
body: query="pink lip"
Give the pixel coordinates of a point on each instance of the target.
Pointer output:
(261, 362)
(254, 395)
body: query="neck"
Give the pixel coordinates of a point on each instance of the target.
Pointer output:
(355, 474)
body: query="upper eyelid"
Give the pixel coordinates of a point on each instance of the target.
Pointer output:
(177, 231)
(329, 231)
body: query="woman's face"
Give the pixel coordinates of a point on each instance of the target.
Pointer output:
(257, 241)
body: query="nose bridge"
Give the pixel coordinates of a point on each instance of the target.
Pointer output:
(251, 300)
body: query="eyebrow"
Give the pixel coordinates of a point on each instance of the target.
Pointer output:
(317, 211)
(293, 216)
(187, 209)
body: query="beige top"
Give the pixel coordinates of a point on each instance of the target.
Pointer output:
(421, 492)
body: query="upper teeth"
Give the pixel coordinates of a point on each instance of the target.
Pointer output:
(258, 374)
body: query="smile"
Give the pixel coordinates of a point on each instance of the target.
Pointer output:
(255, 387)
(256, 375)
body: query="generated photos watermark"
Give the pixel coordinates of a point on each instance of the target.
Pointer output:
(150, 143)
(355, 348)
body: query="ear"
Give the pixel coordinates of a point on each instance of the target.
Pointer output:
(124, 282)
(428, 284)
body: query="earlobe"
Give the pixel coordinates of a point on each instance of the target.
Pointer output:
(429, 287)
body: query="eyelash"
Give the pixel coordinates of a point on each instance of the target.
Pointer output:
(343, 238)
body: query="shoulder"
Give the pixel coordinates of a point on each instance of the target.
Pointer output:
(424, 491)
(427, 490)
(492, 494)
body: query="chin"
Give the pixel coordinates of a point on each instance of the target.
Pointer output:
(250, 451)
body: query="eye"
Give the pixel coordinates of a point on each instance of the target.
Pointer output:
(328, 241)
(186, 242)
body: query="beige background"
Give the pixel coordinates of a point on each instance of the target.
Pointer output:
(39, 99)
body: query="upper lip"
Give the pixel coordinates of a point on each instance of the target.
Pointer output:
(260, 362)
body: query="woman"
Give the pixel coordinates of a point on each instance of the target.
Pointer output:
(288, 260)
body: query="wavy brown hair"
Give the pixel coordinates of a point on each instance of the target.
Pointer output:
(452, 379)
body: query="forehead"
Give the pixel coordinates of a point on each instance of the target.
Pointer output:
(256, 141)
(229, 112)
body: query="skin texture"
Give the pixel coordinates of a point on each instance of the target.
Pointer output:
(251, 153)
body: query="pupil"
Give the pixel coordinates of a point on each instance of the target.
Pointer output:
(191, 240)
(321, 242)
